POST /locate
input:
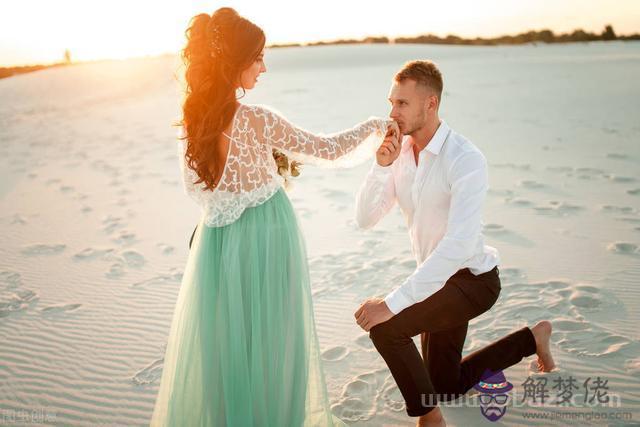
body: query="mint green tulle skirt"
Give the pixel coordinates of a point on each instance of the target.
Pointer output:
(242, 348)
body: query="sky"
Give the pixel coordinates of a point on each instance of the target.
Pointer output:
(39, 31)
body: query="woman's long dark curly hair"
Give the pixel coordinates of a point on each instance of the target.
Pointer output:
(218, 49)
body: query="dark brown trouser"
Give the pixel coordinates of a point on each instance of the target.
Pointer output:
(442, 320)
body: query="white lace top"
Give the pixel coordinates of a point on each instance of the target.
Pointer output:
(250, 176)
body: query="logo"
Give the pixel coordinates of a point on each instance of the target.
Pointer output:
(493, 388)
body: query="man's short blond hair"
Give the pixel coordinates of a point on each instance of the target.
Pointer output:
(424, 73)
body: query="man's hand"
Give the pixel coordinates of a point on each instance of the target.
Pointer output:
(372, 312)
(389, 150)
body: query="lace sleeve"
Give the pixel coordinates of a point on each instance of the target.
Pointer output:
(341, 149)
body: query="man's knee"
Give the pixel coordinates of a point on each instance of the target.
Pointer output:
(386, 334)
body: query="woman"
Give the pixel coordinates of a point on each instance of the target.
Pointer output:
(242, 349)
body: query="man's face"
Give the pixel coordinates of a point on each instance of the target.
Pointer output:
(411, 105)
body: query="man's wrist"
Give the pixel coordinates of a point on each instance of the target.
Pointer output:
(396, 301)
(381, 168)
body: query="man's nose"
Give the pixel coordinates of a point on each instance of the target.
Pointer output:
(394, 114)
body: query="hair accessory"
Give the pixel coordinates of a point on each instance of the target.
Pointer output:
(216, 41)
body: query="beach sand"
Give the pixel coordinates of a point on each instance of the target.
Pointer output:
(95, 224)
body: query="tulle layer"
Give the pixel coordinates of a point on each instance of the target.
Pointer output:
(242, 348)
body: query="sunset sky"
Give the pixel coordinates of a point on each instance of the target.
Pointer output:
(38, 31)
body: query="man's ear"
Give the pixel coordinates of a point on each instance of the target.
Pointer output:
(433, 101)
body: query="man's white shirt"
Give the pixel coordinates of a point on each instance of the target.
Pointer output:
(442, 199)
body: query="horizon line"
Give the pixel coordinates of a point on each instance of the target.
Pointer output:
(315, 43)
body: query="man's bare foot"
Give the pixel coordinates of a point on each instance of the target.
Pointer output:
(433, 419)
(542, 334)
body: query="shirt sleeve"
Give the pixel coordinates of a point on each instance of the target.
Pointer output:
(469, 184)
(341, 149)
(376, 197)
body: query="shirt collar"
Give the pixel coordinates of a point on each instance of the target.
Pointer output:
(438, 138)
(435, 145)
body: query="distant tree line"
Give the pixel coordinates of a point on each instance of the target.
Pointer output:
(542, 36)
(10, 71)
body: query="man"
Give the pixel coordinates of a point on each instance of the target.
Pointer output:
(439, 179)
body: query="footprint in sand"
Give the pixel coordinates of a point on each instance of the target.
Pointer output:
(335, 354)
(592, 343)
(568, 305)
(43, 249)
(518, 201)
(18, 219)
(623, 248)
(587, 173)
(88, 254)
(162, 279)
(16, 301)
(125, 238)
(618, 209)
(585, 297)
(11, 279)
(111, 223)
(115, 183)
(617, 156)
(127, 259)
(530, 184)
(133, 259)
(499, 193)
(358, 398)
(632, 366)
(121, 202)
(494, 229)
(556, 208)
(559, 169)
(618, 178)
(115, 271)
(369, 243)
(53, 309)
(391, 396)
(634, 192)
(165, 249)
(66, 189)
(102, 166)
(149, 373)
(629, 220)
(569, 325)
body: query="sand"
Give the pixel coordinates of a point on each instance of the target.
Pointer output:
(95, 225)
